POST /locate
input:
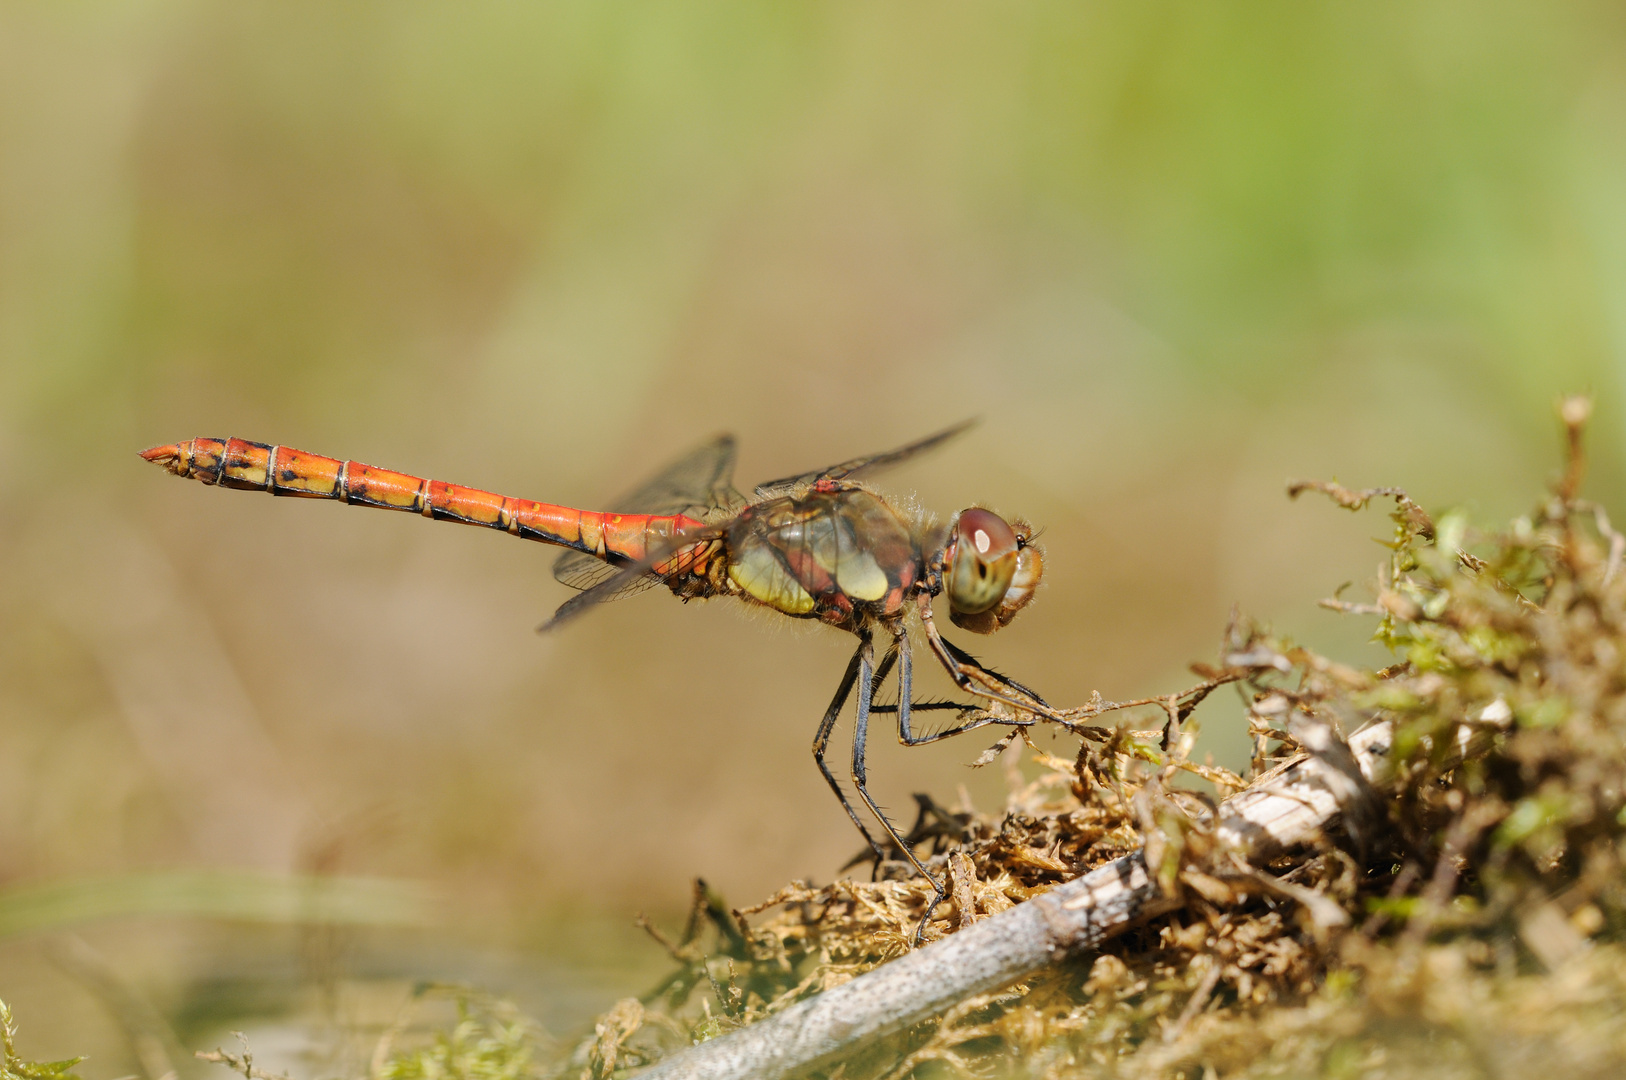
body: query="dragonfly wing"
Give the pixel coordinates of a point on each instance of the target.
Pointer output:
(699, 484)
(580, 570)
(775, 488)
(634, 577)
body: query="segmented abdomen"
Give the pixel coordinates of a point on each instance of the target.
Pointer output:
(282, 470)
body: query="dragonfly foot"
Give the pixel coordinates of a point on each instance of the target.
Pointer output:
(939, 894)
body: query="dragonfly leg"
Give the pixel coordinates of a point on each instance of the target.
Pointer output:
(821, 743)
(966, 658)
(973, 678)
(868, 678)
(905, 708)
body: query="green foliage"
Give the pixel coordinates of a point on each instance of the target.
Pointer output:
(488, 1041)
(1515, 639)
(15, 1068)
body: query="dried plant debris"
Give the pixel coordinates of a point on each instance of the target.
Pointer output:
(240, 1063)
(1465, 919)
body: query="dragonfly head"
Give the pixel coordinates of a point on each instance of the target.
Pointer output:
(992, 569)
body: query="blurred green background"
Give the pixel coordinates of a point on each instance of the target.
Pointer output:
(1172, 254)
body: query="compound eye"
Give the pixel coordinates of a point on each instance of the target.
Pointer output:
(985, 552)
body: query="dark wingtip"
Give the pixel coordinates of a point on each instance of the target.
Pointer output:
(956, 430)
(561, 614)
(568, 610)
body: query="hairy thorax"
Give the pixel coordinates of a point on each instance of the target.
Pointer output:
(836, 553)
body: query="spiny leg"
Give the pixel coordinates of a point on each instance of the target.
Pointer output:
(821, 742)
(868, 678)
(980, 717)
(905, 708)
(882, 670)
(973, 678)
(900, 647)
(966, 658)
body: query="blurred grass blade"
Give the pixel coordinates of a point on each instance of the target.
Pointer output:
(234, 895)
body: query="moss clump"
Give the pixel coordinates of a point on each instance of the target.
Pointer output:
(490, 1040)
(13, 1067)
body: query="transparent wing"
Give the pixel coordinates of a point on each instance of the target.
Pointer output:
(624, 580)
(580, 570)
(699, 484)
(789, 484)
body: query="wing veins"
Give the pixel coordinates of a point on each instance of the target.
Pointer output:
(788, 484)
(615, 586)
(699, 485)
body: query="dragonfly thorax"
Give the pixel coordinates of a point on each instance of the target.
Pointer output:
(836, 553)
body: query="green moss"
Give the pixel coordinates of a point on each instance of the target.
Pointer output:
(488, 1041)
(15, 1068)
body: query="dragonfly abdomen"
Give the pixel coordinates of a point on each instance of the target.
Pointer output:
(282, 470)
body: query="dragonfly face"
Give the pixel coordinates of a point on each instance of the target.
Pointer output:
(991, 570)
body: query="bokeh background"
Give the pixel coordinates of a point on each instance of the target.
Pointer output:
(1172, 254)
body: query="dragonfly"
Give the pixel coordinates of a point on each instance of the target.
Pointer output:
(822, 545)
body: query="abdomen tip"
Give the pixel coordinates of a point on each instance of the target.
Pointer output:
(166, 456)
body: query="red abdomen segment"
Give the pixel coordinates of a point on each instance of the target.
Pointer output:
(282, 470)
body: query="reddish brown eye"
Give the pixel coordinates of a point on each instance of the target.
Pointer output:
(985, 552)
(987, 534)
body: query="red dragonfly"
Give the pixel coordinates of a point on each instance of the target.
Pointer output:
(816, 546)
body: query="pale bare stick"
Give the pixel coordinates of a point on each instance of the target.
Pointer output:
(994, 952)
